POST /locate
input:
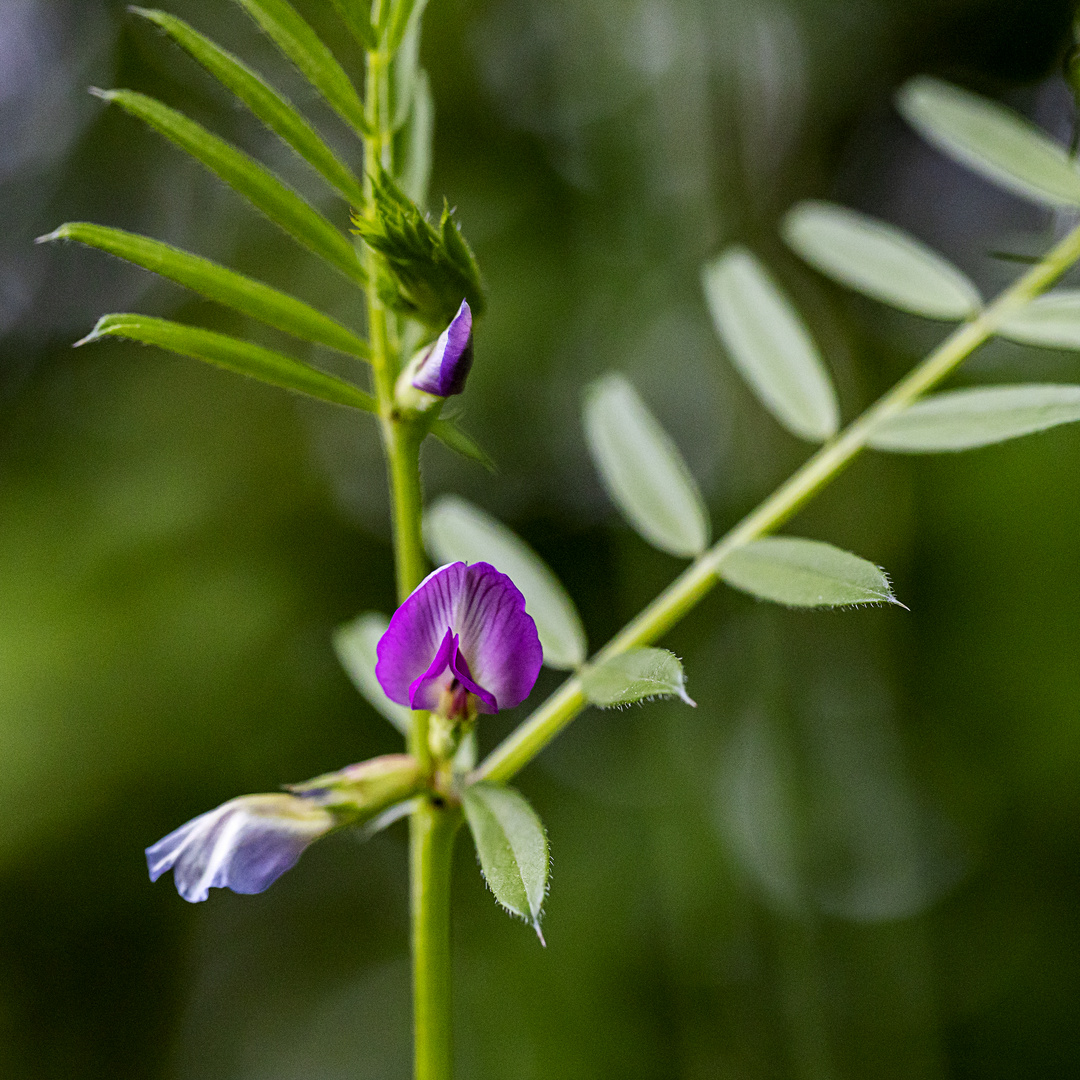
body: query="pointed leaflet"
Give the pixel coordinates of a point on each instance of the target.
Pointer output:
(257, 184)
(457, 531)
(633, 676)
(233, 354)
(991, 139)
(642, 469)
(879, 260)
(512, 846)
(295, 38)
(964, 419)
(355, 644)
(1051, 320)
(804, 573)
(217, 283)
(451, 436)
(769, 345)
(354, 14)
(265, 102)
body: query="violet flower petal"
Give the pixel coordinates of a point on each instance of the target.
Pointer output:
(245, 845)
(445, 368)
(424, 692)
(497, 639)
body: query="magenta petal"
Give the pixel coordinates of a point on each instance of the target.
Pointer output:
(497, 640)
(460, 667)
(446, 367)
(425, 691)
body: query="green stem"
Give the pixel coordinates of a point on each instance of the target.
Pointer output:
(525, 742)
(433, 827)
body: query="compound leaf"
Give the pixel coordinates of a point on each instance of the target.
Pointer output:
(633, 676)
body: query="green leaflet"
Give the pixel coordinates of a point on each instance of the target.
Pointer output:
(265, 102)
(404, 15)
(879, 260)
(769, 345)
(991, 139)
(965, 419)
(1051, 320)
(804, 573)
(457, 531)
(295, 38)
(217, 283)
(355, 644)
(430, 268)
(352, 14)
(233, 354)
(416, 139)
(450, 435)
(256, 183)
(642, 469)
(512, 846)
(633, 676)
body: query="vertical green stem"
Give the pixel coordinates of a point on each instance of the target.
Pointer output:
(433, 825)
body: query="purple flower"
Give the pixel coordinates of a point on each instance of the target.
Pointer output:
(444, 369)
(461, 643)
(245, 844)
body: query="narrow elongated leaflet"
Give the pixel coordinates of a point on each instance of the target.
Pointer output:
(295, 38)
(991, 139)
(642, 469)
(512, 846)
(233, 354)
(418, 134)
(634, 676)
(355, 644)
(217, 283)
(769, 345)
(1051, 320)
(355, 16)
(455, 530)
(247, 177)
(879, 260)
(964, 419)
(450, 435)
(403, 15)
(805, 573)
(277, 113)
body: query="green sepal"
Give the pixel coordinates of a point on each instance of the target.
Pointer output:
(429, 268)
(364, 789)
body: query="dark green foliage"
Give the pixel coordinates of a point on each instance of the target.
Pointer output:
(429, 269)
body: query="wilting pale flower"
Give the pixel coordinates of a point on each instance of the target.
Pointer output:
(446, 365)
(462, 643)
(245, 844)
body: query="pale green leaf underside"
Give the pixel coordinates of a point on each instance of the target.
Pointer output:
(457, 531)
(642, 469)
(964, 419)
(234, 355)
(266, 103)
(419, 131)
(219, 284)
(247, 177)
(879, 260)
(769, 345)
(1051, 320)
(512, 846)
(804, 573)
(355, 644)
(991, 139)
(633, 676)
(300, 44)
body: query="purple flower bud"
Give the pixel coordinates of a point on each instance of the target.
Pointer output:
(461, 643)
(245, 844)
(444, 370)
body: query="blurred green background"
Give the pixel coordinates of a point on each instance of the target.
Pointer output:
(857, 858)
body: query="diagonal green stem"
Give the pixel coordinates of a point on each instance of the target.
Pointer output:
(526, 741)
